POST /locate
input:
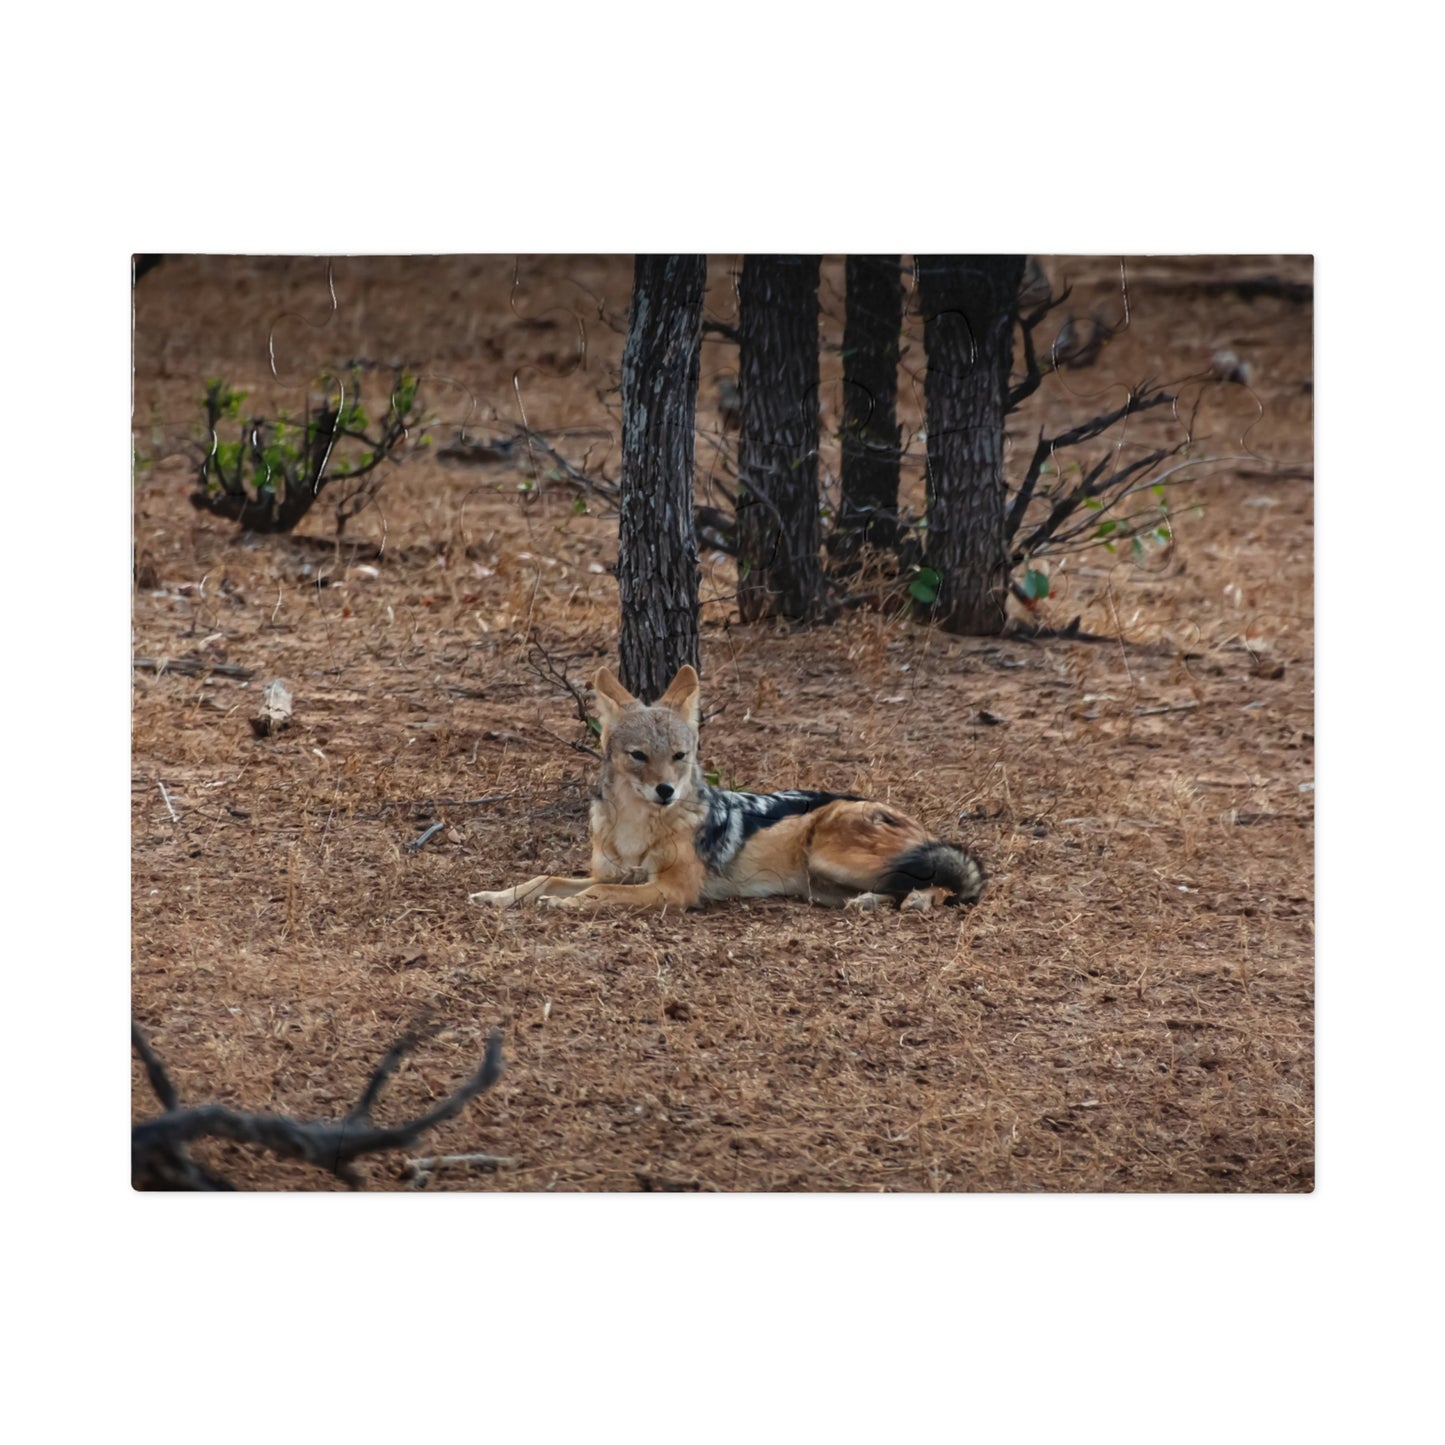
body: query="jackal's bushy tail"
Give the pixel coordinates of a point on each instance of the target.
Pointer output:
(934, 864)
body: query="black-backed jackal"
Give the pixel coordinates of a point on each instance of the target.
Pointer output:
(661, 836)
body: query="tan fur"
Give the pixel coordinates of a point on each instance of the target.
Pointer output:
(829, 855)
(643, 850)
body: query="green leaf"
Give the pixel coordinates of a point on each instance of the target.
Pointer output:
(1093, 503)
(924, 587)
(404, 397)
(593, 726)
(713, 779)
(579, 506)
(1138, 549)
(1106, 527)
(1035, 585)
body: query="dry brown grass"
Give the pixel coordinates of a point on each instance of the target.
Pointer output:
(1128, 1008)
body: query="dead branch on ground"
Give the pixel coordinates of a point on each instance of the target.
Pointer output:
(160, 1157)
(191, 666)
(1247, 288)
(533, 442)
(418, 1172)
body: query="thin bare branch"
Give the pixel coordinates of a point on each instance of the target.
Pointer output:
(157, 1145)
(1033, 373)
(1026, 489)
(554, 670)
(1143, 399)
(361, 1110)
(160, 1081)
(574, 475)
(1093, 484)
(191, 665)
(721, 329)
(1066, 506)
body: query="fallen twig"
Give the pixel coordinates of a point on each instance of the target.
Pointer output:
(1245, 287)
(660, 1184)
(160, 1081)
(533, 442)
(418, 1172)
(1280, 473)
(190, 665)
(416, 805)
(1154, 711)
(425, 837)
(169, 806)
(158, 1146)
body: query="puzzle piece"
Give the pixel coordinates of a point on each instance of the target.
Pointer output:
(1143, 807)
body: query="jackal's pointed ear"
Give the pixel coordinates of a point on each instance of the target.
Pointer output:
(611, 698)
(683, 694)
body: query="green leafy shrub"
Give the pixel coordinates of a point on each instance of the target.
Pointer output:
(270, 475)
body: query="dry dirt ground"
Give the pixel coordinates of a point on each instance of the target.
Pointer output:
(1130, 1007)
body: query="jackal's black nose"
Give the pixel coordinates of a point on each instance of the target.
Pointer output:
(665, 792)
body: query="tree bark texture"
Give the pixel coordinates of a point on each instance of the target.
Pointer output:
(780, 573)
(873, 322)
(970, 304)
(657, 575)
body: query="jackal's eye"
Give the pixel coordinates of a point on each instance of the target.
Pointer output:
(678, 757)
(640, 756)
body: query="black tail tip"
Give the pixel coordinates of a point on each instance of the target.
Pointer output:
(935, 864)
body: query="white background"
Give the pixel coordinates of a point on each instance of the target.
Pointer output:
(723, 129)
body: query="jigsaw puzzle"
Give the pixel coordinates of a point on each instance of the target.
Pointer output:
(1019, 547)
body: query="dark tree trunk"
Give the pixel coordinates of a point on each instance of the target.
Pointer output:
(779, 571)
(869, 508)
(969, 306)
(657, 546)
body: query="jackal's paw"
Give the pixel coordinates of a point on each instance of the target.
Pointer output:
(553, 902)
(502, 899)
(919, 901)
(866, 902)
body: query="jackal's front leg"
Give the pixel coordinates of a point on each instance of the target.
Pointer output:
(545, 887)
(624, 895)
